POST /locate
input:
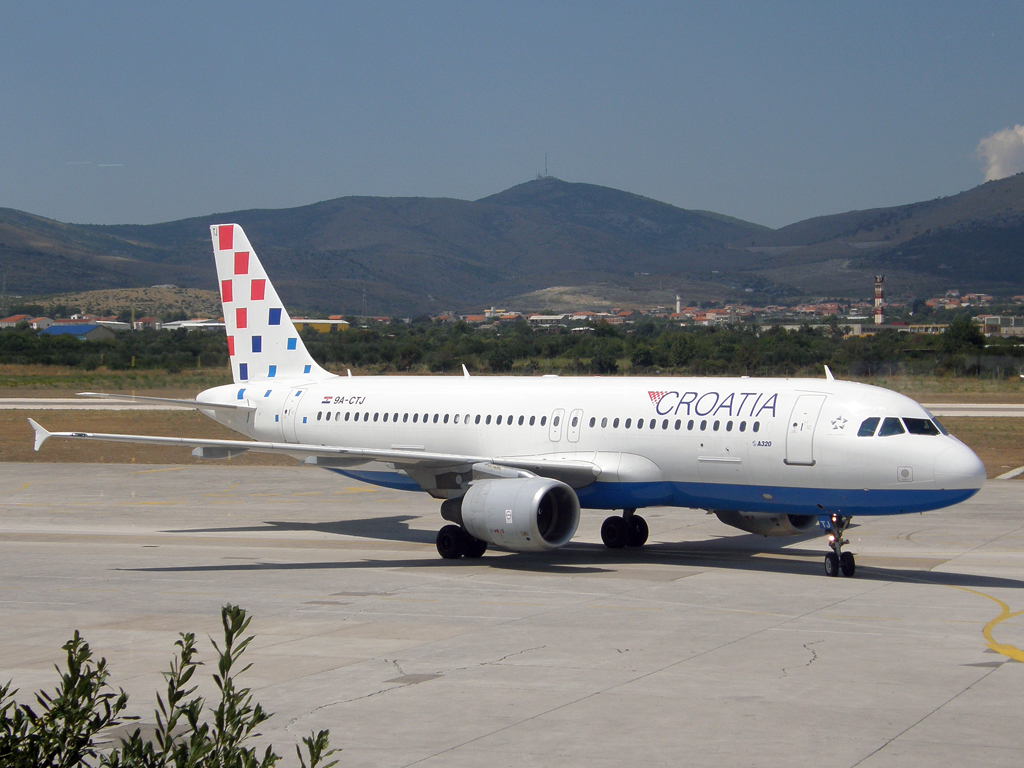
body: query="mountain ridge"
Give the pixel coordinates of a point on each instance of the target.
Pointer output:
(386, 255)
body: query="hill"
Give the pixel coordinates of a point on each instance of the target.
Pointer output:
(540, 240)
(970, 240)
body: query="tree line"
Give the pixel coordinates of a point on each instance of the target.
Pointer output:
(648, 347)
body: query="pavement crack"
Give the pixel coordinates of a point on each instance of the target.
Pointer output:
(814, 657)
(510, 655)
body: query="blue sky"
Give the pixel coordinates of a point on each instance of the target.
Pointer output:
(771, 112)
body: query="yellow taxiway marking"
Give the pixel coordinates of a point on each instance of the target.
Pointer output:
(26, 485)
(1005, 649)
(165, 469)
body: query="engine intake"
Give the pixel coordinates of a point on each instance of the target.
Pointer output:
(534, 514)
(769, 523)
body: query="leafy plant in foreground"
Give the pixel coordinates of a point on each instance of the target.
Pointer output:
(64, 734)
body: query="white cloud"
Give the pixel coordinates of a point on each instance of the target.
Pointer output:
(1003, 153)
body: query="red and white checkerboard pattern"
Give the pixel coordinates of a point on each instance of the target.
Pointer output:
(262, 342)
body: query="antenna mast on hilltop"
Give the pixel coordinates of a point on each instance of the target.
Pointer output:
(545, 163)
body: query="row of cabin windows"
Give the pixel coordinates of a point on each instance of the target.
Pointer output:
(716, 424)
(426, 418)
(893, 426)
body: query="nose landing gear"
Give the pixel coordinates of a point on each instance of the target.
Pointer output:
(838, 561)
(629, 530)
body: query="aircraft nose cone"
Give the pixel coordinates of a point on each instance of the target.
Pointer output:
(959, 467)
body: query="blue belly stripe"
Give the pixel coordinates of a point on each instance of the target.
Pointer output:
(383, 479)
(732, 498)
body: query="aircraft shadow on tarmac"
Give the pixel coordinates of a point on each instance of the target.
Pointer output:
(393, 528)
(744, 552)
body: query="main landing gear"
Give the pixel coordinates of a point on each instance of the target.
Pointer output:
(837, 560)
(454, 542)
(630, 530)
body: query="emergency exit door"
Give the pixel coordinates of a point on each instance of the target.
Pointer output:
(800, 430)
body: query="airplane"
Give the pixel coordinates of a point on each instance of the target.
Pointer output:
(514, 459)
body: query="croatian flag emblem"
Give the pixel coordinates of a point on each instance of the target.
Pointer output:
(327, 400)
(656, 396)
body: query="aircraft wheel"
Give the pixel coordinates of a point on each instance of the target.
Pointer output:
(451, 542)
(847, 564)
(638, 531)
(474, 547)
(614, 532)
(831, 564)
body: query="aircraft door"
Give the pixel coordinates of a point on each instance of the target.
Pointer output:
(289, 413)
(800, 430)
(575, 422)
(555, 427)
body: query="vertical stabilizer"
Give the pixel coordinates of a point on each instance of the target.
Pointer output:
(262, 342)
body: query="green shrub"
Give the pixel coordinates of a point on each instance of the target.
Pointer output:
(63, 733)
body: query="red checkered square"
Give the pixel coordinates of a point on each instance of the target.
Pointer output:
(226, 235)
(242, 263)
(241, 320)
(259, 289)
(225, 291)
(231, 346)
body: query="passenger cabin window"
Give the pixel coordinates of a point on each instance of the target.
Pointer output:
(575, 421)
(920, 427)
(689, 424)
(703, 424)
(593, 421)
(554, 421)
(543, 420)
(604, 422)
(757, 426)
(532, 420)
(521, 419)
(488, 419)
(868, 427)
(891, 426)
(615, 424)
(628, 423)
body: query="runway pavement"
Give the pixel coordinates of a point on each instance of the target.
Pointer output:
(707, 647)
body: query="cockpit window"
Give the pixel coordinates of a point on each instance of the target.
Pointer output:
(920, 427)
(938, 424)
(868, 427)
(891, 426)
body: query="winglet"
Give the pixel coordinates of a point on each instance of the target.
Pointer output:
(465, 371)
(828, 374)
(349, 372)
(41, 433)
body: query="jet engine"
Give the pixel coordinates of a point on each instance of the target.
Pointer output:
(533, 514)
(769, 523)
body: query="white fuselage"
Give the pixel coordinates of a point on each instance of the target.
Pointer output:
(716, 443)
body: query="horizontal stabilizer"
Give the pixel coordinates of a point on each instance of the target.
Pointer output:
(168, 401)
(41, 433)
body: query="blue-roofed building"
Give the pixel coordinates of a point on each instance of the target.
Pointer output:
(84, 332)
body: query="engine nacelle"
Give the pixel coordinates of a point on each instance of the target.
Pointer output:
(769, 523)
(533, 514)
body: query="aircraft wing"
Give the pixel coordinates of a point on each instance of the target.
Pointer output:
(577, 473)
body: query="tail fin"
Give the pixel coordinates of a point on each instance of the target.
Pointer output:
(262, 342)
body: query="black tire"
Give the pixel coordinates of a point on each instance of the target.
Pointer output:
(831, 564)
(847, 564)
(451, 542)
(614, 532)
(474, 547)
(638, 532)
